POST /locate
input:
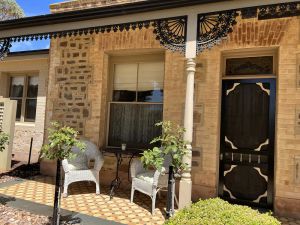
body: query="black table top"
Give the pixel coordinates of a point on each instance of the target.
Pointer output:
(128, 151)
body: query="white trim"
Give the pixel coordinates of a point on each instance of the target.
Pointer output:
(264, 89)
(230, 194)
(232, 89)
(262, 196)
(230, 142)
(263, 144)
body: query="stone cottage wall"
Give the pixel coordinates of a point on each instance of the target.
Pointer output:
(79, 79)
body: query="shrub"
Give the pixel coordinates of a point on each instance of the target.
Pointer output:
(171, 143)
(219, 212)
(4, 139)
(61, 140)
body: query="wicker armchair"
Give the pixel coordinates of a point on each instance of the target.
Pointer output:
(147, 181)
(78, 169)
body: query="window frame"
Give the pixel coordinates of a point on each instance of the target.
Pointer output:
(247, 53)
(24, 97)
(138, 59)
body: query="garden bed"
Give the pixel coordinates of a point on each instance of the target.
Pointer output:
(21, 172)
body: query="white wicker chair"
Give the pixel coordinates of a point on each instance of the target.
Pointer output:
(147, 181)
(82, 172)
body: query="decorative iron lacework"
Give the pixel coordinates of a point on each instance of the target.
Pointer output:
(5, 44)
(171, 32)
(279, 10)
(213, 28)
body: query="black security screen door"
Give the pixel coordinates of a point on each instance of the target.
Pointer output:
(247, 141)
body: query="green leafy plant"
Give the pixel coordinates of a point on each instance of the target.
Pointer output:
(172, 143)
(4, 140)
(61, 141)
(219, 212)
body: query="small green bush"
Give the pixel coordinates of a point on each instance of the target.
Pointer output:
(4, 140)
(219, 212)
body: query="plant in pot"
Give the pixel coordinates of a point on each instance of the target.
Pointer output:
(61, 140)
(173, 145)
(4, 140)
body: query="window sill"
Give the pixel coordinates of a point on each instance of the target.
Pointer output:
(25, 124)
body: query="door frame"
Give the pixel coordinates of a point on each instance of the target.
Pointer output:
(272, 124)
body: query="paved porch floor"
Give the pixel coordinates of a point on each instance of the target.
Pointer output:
(82, 199)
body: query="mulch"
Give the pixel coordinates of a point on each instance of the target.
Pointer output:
(22, 171)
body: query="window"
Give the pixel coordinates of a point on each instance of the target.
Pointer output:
(246, 63)
(137, 104)
(24, 89)
(262, 65)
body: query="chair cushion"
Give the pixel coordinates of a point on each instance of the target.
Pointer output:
(80, 162)
(146, 176)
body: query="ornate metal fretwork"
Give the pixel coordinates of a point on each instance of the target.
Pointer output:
(171, 32)
(279, 10)
(213, 28)
(4, 47)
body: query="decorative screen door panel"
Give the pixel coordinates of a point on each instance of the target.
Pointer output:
(247, 141)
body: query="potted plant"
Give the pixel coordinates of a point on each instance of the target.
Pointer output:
(4, 140)
(61, 140)
(171, 144)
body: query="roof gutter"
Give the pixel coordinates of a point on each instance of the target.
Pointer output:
(100, 12)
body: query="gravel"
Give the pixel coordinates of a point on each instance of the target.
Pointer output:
(12, 216)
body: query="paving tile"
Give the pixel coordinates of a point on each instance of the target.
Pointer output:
(82, 199)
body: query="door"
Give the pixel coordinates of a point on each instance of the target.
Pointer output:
(247, 141)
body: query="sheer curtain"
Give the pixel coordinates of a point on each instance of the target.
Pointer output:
(134, 124)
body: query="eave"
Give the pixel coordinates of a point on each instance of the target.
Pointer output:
(100, 12)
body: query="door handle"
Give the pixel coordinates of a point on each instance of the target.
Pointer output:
(221, 156)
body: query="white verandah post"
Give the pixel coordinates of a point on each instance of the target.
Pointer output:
(185, 189)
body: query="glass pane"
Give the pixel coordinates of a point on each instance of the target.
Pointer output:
(32, 91)
(147, 116)
(125, 79)
(134, 124)
(30, 109)
(17, 86)
(150, 82)
(250, 66)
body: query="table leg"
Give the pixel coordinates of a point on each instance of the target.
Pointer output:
(115, 184)
(129, 167)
